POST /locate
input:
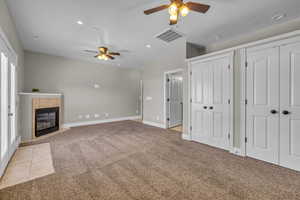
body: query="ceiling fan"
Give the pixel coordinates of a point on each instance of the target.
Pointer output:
(104, 54)
(178, 7)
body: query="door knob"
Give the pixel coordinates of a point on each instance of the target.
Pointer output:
(205, 107)
(285, 112)
(274, 112)
(211, 107)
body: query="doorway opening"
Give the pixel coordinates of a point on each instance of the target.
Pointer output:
(174, 100)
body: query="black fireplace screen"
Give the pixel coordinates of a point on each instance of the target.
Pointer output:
(46, 121)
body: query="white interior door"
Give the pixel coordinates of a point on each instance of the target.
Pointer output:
(290, 106)
(8, 142)
(210, 108)
(201, 95)
(263, 104)
(219, 107)
(4, 106)
(175, 100)
(12, 103)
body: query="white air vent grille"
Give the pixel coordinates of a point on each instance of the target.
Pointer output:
(169, 35)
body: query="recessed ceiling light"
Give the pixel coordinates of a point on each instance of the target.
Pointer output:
(148, 46)
(278, 17)
(80, 22)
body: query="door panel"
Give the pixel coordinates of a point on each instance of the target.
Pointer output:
(200, 99)
(4, 105)
(175, 96)
(290, 101)
(219, 102)
(210, 109)
(263, 96)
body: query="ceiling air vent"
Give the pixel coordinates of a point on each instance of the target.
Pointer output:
(169, 35)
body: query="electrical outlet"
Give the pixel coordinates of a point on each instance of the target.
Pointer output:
(87, 116)
(96, 115)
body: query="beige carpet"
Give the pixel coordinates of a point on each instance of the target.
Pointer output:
(131, 161)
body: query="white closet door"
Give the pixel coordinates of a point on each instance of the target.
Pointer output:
(210, 108)
(201, 95)
(290, 106)
(219, 107)
(263, 104)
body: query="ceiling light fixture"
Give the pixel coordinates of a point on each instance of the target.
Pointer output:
(80, 22)
(173, 9)
(148, 46)
(278, 17)
(174, 18)
(102, 57)
(184, 10)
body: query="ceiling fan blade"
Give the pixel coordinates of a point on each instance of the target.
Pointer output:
(109, 56)
(153, 10)
(114, 54)
(197, 7)
(90, 51)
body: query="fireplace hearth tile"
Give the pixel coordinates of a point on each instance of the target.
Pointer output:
(28, 163)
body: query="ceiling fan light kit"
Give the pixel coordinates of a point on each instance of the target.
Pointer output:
(178, 7)
(104, 54)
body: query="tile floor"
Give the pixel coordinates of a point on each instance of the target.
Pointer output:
(29, 162)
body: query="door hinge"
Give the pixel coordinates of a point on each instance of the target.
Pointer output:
(191, 128)
(191, 100)
(246, 102)
(168, 80)
(228, 136)
(191, 73)
(228, 66)
(168, 99)
(229, 101)
(246, 64)
(168, 119)
(246, 139)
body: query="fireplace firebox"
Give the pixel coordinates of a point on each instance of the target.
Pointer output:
(46, 121)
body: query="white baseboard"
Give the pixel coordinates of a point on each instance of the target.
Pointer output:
(76, 124)
(159, 125)
(4, 163)
(186, 137)
(236, 151)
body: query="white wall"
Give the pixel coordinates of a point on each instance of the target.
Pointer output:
(117, 95)
(171, 56)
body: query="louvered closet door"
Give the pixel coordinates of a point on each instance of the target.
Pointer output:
(210, 108)
(201, 96)
(263, 104)
(290, 106)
